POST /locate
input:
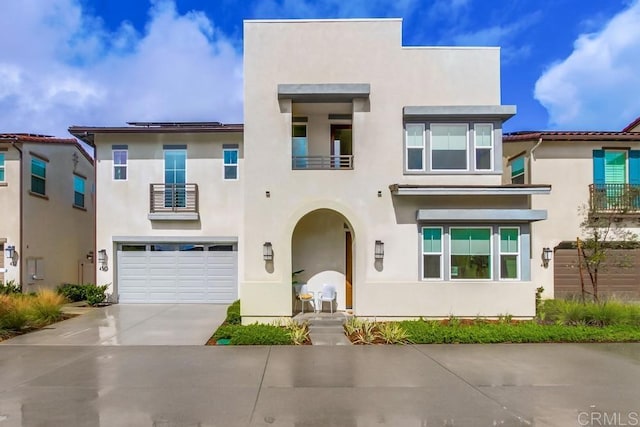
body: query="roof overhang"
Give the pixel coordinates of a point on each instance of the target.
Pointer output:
(480, 215)
(500, 112)
(326, 92)
(469, 190)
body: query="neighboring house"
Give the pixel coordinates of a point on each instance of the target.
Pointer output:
(47, 227)
(373, 167)
(589, 171)
(169, 210)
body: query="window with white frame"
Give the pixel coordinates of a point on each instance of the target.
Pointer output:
(414, 146)
(449, 144)
(432, 252)
(120, 164)
(38, 176)
(470, 252)
(509, 253)
(483, 137)
(230, 156)
(517, 170)
(2, 167)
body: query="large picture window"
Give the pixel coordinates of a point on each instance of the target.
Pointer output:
(449, 146)
(470, 253)
(414, 146)
(509, 253)
(432, 253)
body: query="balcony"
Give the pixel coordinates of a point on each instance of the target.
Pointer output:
(344, 161)
(173, 202)
(619, 199)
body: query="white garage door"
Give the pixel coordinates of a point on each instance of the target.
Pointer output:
(182, 273)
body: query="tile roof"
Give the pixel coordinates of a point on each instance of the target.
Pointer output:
(571, 136)
(632, 125)
(44, 139)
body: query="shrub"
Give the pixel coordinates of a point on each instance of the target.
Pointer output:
(225, 332)
(574, 312)
(14, 312)
(73, 292)
(95, 294)
(260, 334)
(233, 313)
(45, 307)
(10, 287)
(392, 333)
(365, 334)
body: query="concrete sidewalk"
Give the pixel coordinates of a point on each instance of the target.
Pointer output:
(421, 385)
(132, 324)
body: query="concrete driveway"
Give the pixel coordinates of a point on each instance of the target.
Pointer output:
(132, 324)
(414, 386)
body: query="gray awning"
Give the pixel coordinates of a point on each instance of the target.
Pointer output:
(480, 215)
(324, 92)
(502, 112)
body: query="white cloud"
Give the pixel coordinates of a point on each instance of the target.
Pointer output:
(61, 67)
(596, 87)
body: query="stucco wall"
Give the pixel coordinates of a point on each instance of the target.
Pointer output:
(10, 201)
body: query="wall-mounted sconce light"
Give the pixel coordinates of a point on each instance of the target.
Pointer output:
(546, 256)
(267, 251)
(267, 194)
(103, 259)
(10, 251)
(379, 251)
(379, 193)
(90, 257)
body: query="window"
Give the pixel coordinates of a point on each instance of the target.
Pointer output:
(470, 253)
(615, 166)
(175, 176)
(1, 167)
(449, 147)
(414, 147)
(120, 157)
(509, 252)
(484, 146)
(230, 163)
(78, 191)
(517, 170)
(432, 253)
(299, 146)
(38, 176)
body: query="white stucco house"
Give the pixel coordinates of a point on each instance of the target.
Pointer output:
(372, 166)
(47, 226)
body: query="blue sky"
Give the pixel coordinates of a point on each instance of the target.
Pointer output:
(566, 64)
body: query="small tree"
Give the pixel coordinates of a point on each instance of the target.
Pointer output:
(602, 231)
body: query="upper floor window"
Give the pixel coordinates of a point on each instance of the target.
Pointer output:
(78, 190)
(517, 170)
(484, 146)
(2, 167)
(38, 176)
(230, 156)
(415, 147)
(299, 146)
(120, 164)
(449, 146)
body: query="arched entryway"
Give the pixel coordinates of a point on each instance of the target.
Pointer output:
(322, 244)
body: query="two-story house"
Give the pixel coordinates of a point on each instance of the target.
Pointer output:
(591, 173)
(371, 166)
(47, 227)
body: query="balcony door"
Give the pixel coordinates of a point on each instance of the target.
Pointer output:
(341, 145)
(175, 175)
(299, 146)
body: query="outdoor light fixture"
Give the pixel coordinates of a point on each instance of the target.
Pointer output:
(546, 256)
(102, 259)
(379, 251)
(90, 256)
(267, 251)
(10, 251)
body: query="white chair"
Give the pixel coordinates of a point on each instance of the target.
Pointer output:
(327, 294)
(303, 294)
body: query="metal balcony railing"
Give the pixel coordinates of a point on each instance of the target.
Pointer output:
(173, 198)
(344, 161)
(620, 198)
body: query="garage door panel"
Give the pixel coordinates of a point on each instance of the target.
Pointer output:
(177, 276)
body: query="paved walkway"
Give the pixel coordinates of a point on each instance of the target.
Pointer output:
(132, 324)
(415, 386)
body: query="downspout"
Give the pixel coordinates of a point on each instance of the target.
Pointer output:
(534, 148)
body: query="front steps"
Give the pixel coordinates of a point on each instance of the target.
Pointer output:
(326, 328)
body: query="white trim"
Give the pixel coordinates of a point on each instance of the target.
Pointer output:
(407, 148)
(491, 255)
(125, 165)
(490, 148)
(236, 164)
(517, 254)
(466, 168)
(423, 253)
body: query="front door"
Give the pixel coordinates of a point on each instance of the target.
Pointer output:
(175, 175)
